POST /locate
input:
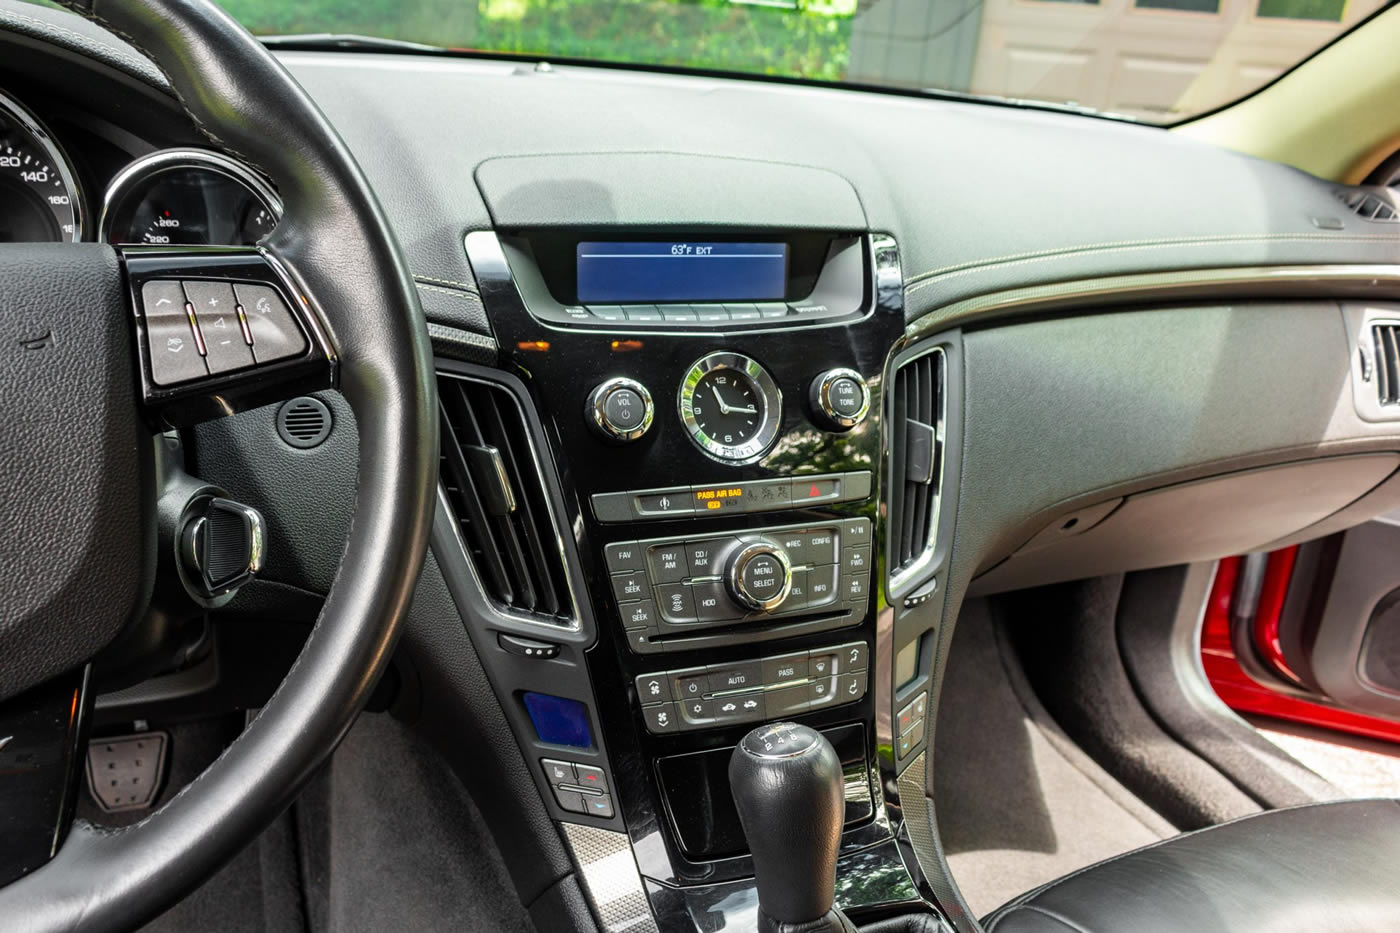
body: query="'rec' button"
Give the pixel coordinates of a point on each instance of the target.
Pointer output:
(276, 335)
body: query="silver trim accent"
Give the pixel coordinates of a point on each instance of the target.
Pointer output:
(903, 580)
(575, 618)
(498, 464)
(767, 430)
(596, 410)
(611, 880)
(1369, 278)
(149, 166)
(62, 164)
(735, 576)
(822, 391)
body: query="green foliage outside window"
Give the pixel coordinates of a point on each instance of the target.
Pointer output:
(810, 38)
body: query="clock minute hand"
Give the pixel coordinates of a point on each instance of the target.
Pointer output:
(723, 408)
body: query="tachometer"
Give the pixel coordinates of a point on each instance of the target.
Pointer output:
(183, 197)
(39, 200)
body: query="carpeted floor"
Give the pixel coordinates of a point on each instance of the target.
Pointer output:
(1018, 804)
(384, 839)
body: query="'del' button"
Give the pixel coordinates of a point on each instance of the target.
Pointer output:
(276, 335)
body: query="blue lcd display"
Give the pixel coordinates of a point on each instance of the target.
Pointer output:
(558, 720)
(624, 273)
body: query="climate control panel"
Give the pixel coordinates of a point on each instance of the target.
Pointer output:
(669, 588)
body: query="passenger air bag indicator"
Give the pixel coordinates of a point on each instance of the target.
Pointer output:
(717, 498)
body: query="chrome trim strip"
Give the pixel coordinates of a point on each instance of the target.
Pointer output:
(904, 580)
(575, 622)
(1120, 289)
(611, 880)
(150, 165)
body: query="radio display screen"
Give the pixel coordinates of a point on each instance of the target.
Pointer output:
(623, 273)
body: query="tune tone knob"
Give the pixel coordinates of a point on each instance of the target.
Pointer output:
(840, 398)
(620, 409)
(759, 576)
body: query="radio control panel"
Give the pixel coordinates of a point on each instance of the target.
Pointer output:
(670, 588)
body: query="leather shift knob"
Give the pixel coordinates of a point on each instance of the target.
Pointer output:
(786, 781)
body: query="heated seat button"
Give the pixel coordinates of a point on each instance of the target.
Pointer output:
(276, 335)
(601, 806)
(216, 312)
(591, 777)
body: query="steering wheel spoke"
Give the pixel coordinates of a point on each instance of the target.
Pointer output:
(221, 330)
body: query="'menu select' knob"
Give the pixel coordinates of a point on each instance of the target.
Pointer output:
(620, 409)
(759, 576)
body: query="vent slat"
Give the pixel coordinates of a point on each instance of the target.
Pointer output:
(471, 514)
(516, 552)
(918, 388)
(1386, 338)
(1369, 204)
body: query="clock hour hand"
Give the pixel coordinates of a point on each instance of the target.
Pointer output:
(744, 411)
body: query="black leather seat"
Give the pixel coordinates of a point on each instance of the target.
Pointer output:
(1327, 868)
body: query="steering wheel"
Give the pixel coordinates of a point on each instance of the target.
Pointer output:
(78, 465)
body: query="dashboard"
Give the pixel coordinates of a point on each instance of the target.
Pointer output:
(737, 409)
(167, 197)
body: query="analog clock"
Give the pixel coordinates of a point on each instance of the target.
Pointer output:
(731, 407)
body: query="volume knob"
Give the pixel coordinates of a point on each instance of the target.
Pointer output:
(840, 398)
(759, 576)
(620, 409)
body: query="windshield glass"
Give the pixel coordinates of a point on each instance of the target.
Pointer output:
(1153, 60)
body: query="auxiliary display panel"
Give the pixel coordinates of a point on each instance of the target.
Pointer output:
(624, 273)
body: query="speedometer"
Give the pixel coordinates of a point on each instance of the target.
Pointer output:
(188, 197)
(38, 198)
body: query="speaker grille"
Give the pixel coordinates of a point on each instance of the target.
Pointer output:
(304, 422)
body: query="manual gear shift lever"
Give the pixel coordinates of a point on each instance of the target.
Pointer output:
(786, 781)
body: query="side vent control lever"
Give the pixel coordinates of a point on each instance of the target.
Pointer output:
(221, 545)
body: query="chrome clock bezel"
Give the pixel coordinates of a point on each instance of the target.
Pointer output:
(149, 166)
(766, 431)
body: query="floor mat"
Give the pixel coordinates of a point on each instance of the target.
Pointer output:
(1018, 804)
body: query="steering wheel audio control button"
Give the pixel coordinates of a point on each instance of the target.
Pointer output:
(216, 315)
(275, 333)
(170, 339)
(620, 409)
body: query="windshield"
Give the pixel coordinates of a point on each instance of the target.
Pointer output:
(1153, 60)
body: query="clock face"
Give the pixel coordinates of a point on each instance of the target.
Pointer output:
(727, 406)
(731, 407)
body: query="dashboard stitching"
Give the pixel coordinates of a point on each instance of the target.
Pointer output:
(457, 293)
(1015, 259)
(425, 280)
(131, 61)
(96, 17)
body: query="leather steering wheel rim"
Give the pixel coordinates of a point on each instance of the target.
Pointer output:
(337, 244)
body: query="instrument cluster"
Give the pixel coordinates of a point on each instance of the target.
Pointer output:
(171, 197)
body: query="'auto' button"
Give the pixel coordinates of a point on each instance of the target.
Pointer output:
(276, 335)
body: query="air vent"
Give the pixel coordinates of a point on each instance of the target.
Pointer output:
(499, 499)
(1386, 337)
(304, 422)
(916, 451)
(1368, 205)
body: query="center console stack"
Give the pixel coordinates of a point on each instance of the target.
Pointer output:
(712, 401)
